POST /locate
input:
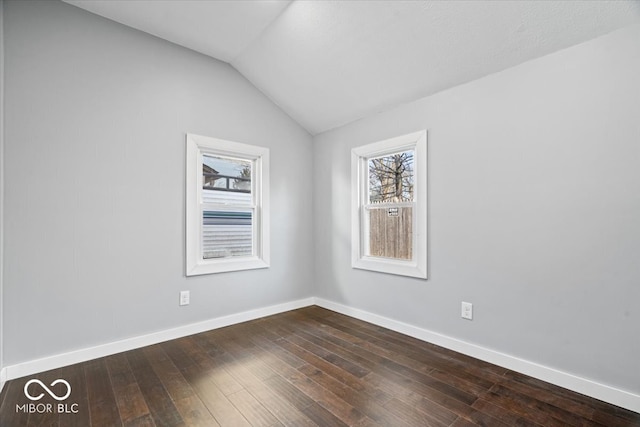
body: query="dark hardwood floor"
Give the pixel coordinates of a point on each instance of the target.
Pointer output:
(306, 367)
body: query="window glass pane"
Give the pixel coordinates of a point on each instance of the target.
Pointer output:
(227, 234)
(226, 180)
(391, 178)
(391, 232)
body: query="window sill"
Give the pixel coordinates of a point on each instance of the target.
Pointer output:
(222, 265)
(389, 266)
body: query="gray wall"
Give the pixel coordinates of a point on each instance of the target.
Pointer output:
(96, 116)
(534, 214)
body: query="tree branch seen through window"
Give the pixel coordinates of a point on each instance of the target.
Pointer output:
(391, 178)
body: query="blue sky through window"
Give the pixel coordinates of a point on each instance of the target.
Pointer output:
(225, 166)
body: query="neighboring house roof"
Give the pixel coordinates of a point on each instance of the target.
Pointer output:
(208, 169)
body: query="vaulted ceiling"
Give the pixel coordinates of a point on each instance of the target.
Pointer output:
(327, 63)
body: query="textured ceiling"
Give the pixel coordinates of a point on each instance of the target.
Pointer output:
(327, 63)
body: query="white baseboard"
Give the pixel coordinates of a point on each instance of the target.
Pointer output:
(584, 386)
(3, 378)
(59, 360)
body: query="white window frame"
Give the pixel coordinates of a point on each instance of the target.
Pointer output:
(416, 267)
(197, 147)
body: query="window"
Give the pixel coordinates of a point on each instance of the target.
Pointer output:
(389, 206)
(227, 206)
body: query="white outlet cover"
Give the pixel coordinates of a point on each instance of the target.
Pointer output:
(467, 310)
(184, 297)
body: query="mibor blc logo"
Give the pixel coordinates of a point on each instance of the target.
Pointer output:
(41, 408)
(47, 389)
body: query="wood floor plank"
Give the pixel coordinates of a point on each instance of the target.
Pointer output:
(342, 376)
(251, 373)
(345, 364)
(10, 415)
(534, 410)
(194, 412)
(400, 362)
(339, 347)
(322, 417)
(102, 403)
(290, 393)
(322, 396)
(74, 374)
(361, 395)
(298, 333)
(252, 409)
(600, 412)
(3, 395)
(190, 407)
(129, 398)
(168, 373)
(217, 374)
(415, 394)
(409, 394)
(205, 387)
(412, 416)
(159, 402)
(619, 418)
(49, 417)
(266, 342)
(210, 341)
(480, 372)
(309, 367)
(442, 368)
(413, 369)
(407, 341)
(143, 421)
(326, 398)
(462, 422)
(282, 409)
(554, 399)
(368, 400)
(502, 415)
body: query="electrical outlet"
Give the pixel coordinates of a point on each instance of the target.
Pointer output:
(184, 297)
(467, 310)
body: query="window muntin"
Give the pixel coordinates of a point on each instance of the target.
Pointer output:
(227, 206)
(389, 206)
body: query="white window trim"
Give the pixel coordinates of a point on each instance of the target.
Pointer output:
(359, 185)
(197, 146)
